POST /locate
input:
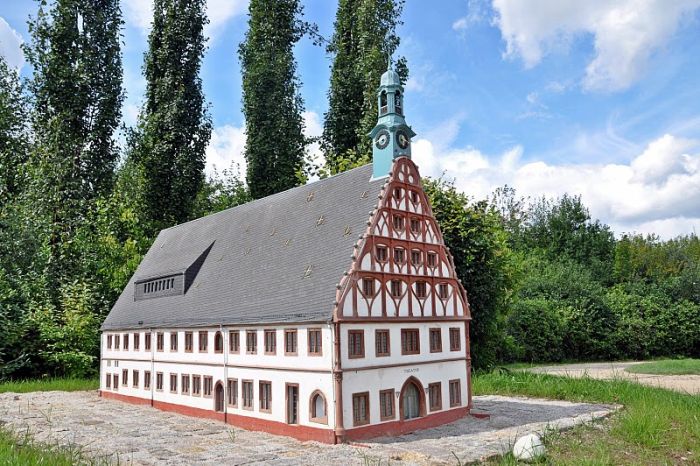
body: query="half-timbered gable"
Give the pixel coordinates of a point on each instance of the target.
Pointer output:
(401, 267)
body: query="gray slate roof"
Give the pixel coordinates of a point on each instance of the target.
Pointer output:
(255, 271)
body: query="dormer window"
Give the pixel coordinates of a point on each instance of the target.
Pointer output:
(157, 287)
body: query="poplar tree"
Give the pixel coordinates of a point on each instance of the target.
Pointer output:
(168, 146)
(363, 41)
(77, 96)
(14, 138)
(272, 105)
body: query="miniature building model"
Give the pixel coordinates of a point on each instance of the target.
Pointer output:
(330, 311)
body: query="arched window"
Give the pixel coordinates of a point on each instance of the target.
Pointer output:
(397, 103)
(218, 343)
(383, 105)
(318, 408)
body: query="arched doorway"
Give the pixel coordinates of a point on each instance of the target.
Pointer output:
(412, 399)
(219, 397)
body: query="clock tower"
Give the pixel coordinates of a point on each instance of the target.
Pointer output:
(391, 137)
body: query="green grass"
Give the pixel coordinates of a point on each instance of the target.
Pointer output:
(46, 385)
(656, 426)
(667, 367)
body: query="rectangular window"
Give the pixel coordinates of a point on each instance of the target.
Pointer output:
(435, 340)
(435, 396)
(290, 342)
(247, 394)
(185, 384)
(109, 341)
(415, 257)
(208, 385)
(399, 255)
(443, 290)
(137, 341)
(147, 341)
(315, 342)
(414, 197)
(147, 380)
(386, 405)
(116, 342)
(454, 339)
(135, 378)
(159, 381)
(251, 342)
(189, 342)
(234, 341)
(455, 393)
(356, 344)
(125, 377)
(265, 396)
(270, 341)
(232, 392)
(108, 381)
(398, 222)
(126, 342)
(396, 288)
(381, 342)
(196, 385)
(381, 253)
(432, 259)
(368, 287)
(421, 290)
(160, 341)
(173, 383)
(203, 341)
(173, 341)
(410, 342)
(115, 381)
(360, 409)
(415, 225)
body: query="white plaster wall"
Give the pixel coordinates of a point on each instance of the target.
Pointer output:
(373, 381)
(395, 341)
(309, 372)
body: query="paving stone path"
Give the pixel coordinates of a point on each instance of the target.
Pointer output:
(617, 370)
(120, 432)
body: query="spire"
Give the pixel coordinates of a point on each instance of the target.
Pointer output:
(391, 135)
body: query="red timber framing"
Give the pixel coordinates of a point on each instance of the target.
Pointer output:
(412, 204)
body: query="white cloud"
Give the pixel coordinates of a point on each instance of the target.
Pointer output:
(658, 191)
(461, 24)
(139, 13)
(10, 45)
(225, 148)
(625, 33)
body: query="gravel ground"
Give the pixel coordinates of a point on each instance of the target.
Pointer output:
(615, 370)
(131, 434)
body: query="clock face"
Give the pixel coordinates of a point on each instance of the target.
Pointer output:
(382, 139)
(402, 139)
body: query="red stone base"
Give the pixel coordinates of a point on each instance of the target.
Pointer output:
(298, 432)
(303, 433)
(389, 429)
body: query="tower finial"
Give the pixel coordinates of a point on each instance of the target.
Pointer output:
(388, 65)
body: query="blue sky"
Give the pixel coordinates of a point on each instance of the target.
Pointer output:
(599, 98)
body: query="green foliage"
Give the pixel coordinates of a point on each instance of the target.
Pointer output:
(474, 235)
(168, 146)
(364, 39)
(222, 192)
(538, 326)
(14, 137)
(272, 104)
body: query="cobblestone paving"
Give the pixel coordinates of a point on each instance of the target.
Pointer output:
(130, 434)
